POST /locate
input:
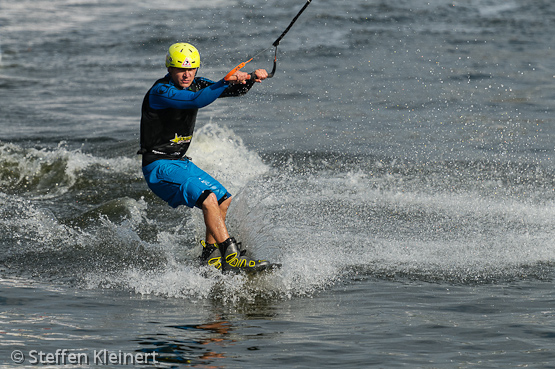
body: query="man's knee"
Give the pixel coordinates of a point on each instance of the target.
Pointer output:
(208, 199)
(225, 203)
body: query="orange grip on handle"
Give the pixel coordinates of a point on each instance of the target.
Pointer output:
(239, 67)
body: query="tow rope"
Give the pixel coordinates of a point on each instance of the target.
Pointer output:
(275, 45)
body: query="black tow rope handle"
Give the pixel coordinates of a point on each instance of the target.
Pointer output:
(271, 74)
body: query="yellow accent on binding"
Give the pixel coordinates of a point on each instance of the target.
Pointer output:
(215, 262)
(232, 259)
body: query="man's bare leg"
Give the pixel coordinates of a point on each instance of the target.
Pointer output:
(216, 232)
(214, 218)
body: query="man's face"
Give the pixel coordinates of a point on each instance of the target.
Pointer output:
(182, 77)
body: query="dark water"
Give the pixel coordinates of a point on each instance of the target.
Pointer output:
(399, 165)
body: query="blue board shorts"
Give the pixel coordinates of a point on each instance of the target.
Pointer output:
(180, 182)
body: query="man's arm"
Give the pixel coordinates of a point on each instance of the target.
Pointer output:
(243, 82)
(166, 96)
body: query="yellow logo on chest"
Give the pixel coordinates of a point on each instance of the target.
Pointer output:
(181, 140)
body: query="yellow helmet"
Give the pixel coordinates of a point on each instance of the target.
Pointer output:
(182, 55)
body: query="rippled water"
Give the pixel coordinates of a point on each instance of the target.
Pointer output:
(399, 166)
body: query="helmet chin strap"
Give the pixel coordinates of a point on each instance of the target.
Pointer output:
(275, 45)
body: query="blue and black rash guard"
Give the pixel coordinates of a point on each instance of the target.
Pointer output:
(168, 114)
